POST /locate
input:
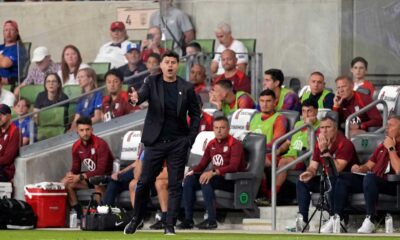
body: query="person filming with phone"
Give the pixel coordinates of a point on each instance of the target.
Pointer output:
(152, 43)
(336, 154)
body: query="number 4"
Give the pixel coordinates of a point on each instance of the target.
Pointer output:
(128, 20)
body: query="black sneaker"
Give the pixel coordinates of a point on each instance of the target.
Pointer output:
(207, 225)
(169, 230)
(100, 180)
(140, 225)
(157, 226)
(185, 224)
(132, 226)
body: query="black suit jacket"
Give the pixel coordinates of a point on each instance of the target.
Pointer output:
(153, 91)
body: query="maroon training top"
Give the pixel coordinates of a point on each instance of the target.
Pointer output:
(96, 156)
(9, 149)
(342, 148)
(381, 159)
(227, 156)
(371, 118)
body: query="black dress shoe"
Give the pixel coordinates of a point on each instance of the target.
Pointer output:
(169, 230)
(185, 224)
(207, 225)
(132, 226)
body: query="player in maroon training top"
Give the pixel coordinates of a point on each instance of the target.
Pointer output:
(371, 177)
(347, 101)
(91, 156)
(226, 155)
(332, 151)
(9, 144)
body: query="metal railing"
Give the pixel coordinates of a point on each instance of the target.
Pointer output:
(67, 101)
(373, 104)
(275, 172)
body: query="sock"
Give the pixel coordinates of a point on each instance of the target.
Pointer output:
(164, 217)
(78, 210)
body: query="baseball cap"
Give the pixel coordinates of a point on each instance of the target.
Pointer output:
(13, 23)
(39, 54)
(117, 25)
(132, 46)
(4, 109)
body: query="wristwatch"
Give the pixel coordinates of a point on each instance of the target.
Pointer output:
(392, 149)
(81, 177)
(214, 172)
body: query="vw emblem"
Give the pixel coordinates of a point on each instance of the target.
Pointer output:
(90, 164)
(218, 160)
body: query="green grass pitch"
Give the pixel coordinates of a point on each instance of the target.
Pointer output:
(86, 235)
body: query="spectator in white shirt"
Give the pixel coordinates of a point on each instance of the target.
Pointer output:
(113, 51)
(226, 41)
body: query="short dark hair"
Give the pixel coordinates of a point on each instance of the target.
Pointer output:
(170, 53)
(310, 103)
(155, 56)
(318, 73)
(344, 77)
(195, 45)
(276, 75)
(221, 118)
(27, 103)
(115, 72)
(268, 92)
(329, 117)
(84, 121)
(359, 59)
(225, 84)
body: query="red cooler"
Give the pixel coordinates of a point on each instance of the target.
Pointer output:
(49, 202)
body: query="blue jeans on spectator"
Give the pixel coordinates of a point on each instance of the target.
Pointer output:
(304, 197)
(191, 184)
(116, 187)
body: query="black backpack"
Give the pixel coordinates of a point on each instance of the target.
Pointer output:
(94, 221)
(16, 214)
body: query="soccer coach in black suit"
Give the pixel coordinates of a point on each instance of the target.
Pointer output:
(166, 136)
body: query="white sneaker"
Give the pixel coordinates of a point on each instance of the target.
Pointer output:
(301, 225)
(328, 226)
(367, 226)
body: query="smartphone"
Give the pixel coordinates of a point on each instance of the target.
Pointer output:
(149, 36)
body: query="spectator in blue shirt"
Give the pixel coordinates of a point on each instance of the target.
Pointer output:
(89, 105)
(21, 108)
(9, 53)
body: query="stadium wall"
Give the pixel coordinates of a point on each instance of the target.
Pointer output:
(298, 36)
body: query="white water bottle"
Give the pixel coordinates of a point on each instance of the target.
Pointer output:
(336, 224)
(299, 222)
(73, 219)
(388, 223)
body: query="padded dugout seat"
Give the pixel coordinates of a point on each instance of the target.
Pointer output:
(292, 117)
(240, 120)
(247, 183)
(390, 94)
